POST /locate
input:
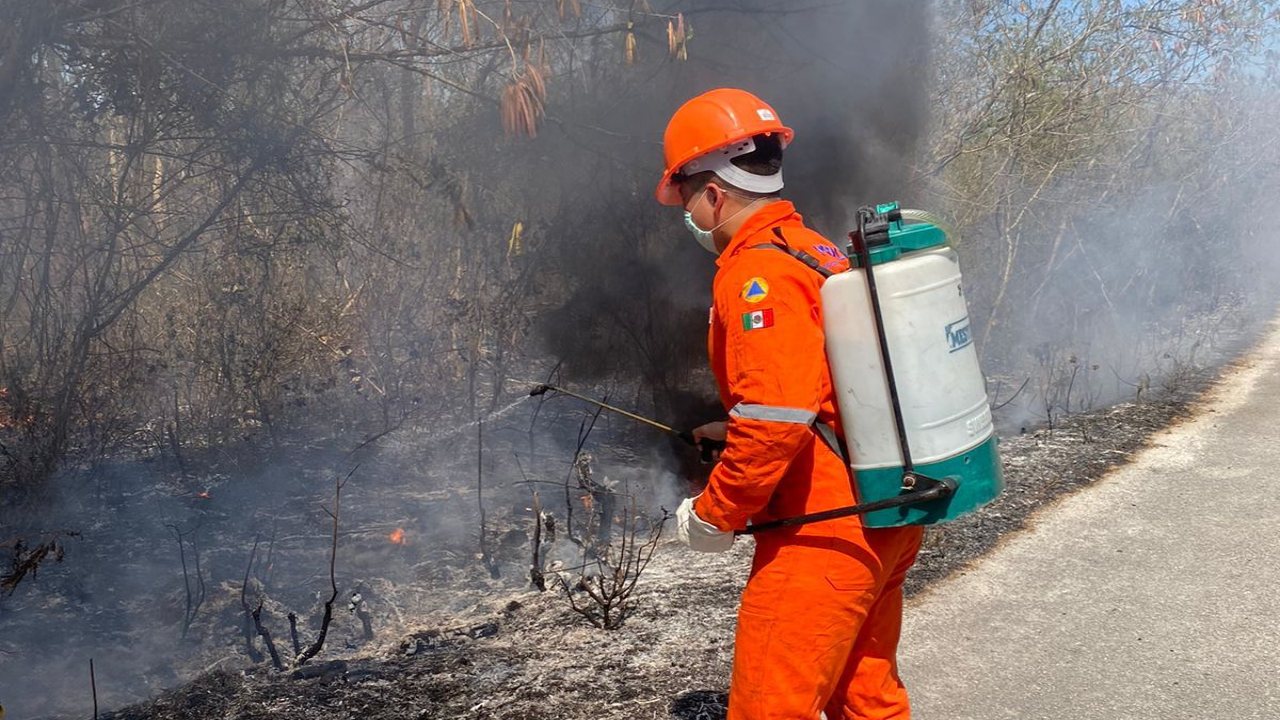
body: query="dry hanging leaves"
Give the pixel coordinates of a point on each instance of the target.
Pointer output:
(574, 7)
(467, 21)
(515, 244)
(630, 45)
(677, 37)
(524, 103)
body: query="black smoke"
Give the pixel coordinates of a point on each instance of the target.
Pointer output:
(850, 78)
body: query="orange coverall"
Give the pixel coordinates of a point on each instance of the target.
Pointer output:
(820, 618)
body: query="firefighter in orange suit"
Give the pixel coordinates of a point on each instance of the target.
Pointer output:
(820, 618)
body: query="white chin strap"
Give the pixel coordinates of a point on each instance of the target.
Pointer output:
(719, 163)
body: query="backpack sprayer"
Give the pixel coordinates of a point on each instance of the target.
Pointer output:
(921, 446)
(920, 443)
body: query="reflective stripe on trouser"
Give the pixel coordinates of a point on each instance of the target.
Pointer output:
(818, 628)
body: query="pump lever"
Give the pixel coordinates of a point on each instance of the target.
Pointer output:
(929, 489)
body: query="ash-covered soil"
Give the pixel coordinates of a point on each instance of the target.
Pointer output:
(524, 654)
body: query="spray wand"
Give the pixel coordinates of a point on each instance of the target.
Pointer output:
(706, 446)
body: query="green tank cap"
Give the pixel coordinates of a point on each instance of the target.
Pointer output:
(905, 237)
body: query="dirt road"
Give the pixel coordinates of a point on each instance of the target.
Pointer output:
(1152, 594)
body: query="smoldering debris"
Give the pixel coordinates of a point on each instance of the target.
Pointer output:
(407, 546)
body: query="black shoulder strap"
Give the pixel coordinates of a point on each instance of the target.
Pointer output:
(810, 261)
(825, 431)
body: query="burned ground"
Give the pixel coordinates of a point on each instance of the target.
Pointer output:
(448, 638)
(524, 654)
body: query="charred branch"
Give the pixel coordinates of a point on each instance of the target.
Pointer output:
(537, 573)
(537, 577)
(293, 634)
(265, 634)
(247, 626)
(486, 557)
(264, 574)
(25, 560)
(1014, 396)
(366, 622)
(174, 434)
(195, 590)
(93, 688)
(599, 499)
(617, 570)
(336, 514)
(584, 431)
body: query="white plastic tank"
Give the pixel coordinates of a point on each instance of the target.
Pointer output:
(940, 385)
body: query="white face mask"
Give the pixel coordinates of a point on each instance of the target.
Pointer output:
(706, 238)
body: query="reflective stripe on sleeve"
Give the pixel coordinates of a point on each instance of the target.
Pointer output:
(774, 413)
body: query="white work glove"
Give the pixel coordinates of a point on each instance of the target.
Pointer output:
(699, 534)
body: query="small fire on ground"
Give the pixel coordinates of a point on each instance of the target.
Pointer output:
(397, 536)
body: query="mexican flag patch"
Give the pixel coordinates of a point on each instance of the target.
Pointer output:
(757, 320)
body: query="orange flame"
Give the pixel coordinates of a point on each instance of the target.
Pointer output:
(397, 536)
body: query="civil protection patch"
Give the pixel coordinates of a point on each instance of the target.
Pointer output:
(756, 289)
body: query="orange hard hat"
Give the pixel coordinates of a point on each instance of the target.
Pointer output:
(711, 121)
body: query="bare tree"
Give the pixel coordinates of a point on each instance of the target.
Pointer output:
(195, 590)
(249, 623)
(609, 581)
(169, 220)
(267, 640)
(1083, 137)
(316, 646)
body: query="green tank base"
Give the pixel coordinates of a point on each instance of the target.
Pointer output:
(978, 479)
